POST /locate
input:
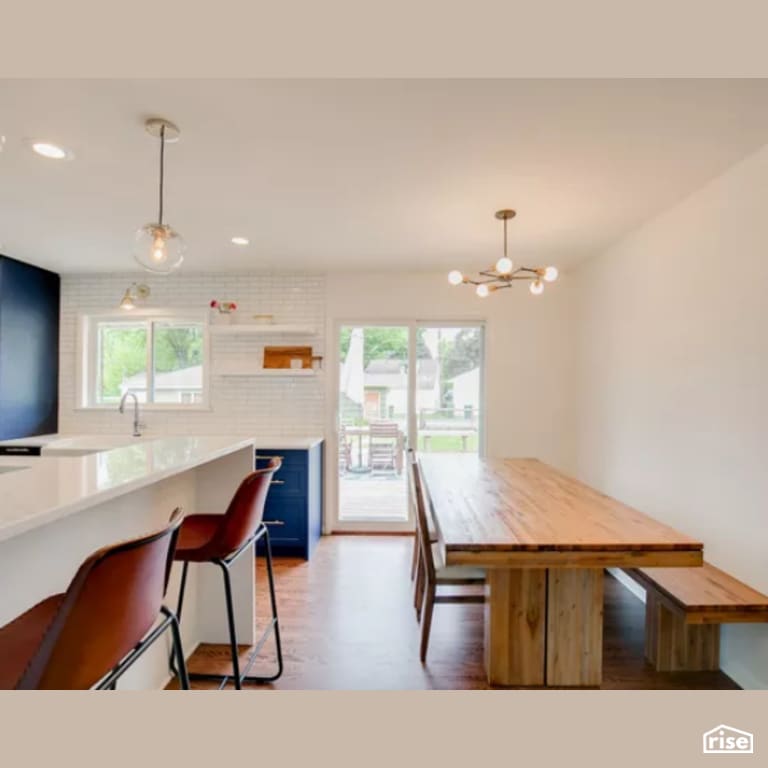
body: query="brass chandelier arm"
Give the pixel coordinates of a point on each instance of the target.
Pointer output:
(532, 274)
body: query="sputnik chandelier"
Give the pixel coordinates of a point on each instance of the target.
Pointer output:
(504, 272)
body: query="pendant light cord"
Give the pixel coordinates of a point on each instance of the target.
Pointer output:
(505, 238)
(162, 173)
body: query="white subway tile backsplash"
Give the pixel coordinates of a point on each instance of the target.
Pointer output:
(239, 405)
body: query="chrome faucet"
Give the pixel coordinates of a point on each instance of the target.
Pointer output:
(136, 422)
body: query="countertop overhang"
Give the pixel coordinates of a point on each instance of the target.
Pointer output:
(36, 490)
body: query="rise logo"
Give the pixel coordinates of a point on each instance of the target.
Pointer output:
(724, 740)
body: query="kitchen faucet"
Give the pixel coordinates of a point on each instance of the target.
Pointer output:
(136, 422)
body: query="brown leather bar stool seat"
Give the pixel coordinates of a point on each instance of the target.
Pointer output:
(222, 539)
(90, 635)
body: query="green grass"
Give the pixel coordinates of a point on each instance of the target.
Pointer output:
(447, 444)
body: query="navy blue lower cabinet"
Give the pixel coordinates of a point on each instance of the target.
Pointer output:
(294, 508)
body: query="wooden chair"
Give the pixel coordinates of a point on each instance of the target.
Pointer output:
(435, 572)
(384, 445)
(417, 572)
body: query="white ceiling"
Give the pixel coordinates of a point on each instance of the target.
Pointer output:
(361, 174)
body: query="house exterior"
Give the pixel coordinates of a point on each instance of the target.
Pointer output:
(183, 386)
(465, 389)
(385, 384)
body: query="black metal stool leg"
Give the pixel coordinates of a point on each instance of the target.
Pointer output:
(182, 587)
(232, 630)
(273, 601)
(237, 676)
(178, 650)
(110, 681)
(180, 604)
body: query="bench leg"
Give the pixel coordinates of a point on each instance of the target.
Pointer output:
(671, 645)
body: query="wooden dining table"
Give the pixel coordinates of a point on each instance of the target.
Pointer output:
(544, 539)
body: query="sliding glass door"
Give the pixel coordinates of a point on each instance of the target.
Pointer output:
(399, 385)
(374, 415)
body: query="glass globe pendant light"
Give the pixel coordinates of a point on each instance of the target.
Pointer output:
(158, 247)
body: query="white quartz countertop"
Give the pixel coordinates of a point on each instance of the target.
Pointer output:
(78, 443)
(36, 490)
(286, 443)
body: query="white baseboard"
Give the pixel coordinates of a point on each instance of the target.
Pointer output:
(627, 582)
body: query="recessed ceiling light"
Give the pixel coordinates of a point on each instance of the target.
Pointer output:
(51, 151)
(240, 240)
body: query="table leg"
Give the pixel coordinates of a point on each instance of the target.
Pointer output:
(574, 627)
(515, 626)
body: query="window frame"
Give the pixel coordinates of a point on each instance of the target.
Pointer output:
(88, 351)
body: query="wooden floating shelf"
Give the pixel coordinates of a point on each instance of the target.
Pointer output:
(258, 329)
(267, 372)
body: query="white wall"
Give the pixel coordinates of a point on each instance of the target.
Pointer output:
(673, 381)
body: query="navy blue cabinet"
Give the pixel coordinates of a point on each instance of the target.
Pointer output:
(294, 508)
(29, 350)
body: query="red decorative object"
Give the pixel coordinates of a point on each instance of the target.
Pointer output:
(224, 307)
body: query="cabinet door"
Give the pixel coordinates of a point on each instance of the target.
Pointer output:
(286, 519)
(29, 350)
(291, 478)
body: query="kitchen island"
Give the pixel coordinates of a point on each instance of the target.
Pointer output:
(57, 509)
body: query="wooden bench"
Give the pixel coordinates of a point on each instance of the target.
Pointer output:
(684, 609)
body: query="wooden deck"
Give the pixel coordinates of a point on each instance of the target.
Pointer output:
(366, 497)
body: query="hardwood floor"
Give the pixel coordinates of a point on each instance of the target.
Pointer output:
(348, 622)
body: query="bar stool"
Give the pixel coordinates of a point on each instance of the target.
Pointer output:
(90, 635)
(222, 539)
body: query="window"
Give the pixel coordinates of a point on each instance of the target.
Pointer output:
(161, 359)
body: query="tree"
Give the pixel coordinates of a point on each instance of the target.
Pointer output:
(460, 354)
(177, 348)
(124, 353)
(383, 343)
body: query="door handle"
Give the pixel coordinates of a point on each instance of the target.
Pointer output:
(280, 458)
(277, 482)
(273, 522)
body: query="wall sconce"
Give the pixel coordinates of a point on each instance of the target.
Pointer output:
(136, 292)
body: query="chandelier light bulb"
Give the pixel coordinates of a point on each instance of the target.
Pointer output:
(482, 290)
(455, 277)
(550, 274)
(537, 287)
(504, 265)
